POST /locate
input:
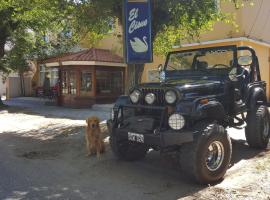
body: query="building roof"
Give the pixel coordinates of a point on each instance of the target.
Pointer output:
(93, 54)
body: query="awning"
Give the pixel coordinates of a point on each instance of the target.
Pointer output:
(93, 56)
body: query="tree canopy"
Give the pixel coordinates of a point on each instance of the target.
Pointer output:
(173, 20)
(24, 26)
(66, 21)
(39, 28)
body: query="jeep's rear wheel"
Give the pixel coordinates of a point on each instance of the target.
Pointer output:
(257, 130)
(127, 150)
(208, 157)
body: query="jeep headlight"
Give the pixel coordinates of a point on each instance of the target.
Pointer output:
(170, 97)
(135, 96)
(150, 98)
(176, 121)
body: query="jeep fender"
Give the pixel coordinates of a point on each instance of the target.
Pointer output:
(257, 96)
(212, 110)
(122, 101)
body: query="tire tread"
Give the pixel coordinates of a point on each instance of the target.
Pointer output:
(253, 128)
(189, 153)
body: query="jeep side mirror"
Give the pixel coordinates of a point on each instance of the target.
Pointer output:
(245, 60)
(160, 67)
(233, 75)
(241, 74)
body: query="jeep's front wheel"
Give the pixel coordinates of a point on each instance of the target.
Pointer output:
(127, 150)
(258, 129)
(208, 157)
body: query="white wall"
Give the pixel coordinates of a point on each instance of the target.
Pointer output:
(2, 86)
(14, 87)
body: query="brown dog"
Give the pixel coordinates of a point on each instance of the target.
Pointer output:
(93, 136)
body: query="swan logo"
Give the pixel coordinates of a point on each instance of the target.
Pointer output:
(138, 31)
(138, 45)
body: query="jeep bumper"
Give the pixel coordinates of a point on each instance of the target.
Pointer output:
(157, 138)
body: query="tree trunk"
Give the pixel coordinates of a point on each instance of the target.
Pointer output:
(2, 48)
(130, 77)
(135, 72)
(22, 84)
(138, 73)
(2, 53)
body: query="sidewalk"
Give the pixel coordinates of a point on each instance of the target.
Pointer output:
(38, 106)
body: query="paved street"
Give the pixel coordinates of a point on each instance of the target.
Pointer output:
(43, 157)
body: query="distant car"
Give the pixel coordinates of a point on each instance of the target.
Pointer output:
(201, 92)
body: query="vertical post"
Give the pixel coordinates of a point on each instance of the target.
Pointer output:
(123, 30)
(59, 95)
(94, 81)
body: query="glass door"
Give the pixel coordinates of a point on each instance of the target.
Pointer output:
(69, 82)
(86, 86)
(73, 82)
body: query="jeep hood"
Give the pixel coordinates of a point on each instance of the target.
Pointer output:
(196, 87)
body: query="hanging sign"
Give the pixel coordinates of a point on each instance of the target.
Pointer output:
(138, 40)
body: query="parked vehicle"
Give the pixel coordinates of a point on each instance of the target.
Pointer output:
(201, 92)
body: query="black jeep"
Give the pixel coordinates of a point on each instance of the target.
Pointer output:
(201, 92)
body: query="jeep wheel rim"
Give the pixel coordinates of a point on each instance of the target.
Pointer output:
(265, 128)
(214, 156)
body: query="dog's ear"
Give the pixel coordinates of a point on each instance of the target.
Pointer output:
(97, 121)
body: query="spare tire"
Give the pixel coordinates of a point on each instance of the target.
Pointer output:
(258, 129)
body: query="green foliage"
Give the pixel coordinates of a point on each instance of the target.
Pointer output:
(183, 20)
(174, 21)
(22, 50)
(55, 27)
(241, 3)
(25, 23)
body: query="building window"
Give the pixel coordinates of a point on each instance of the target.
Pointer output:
(86, 83)
(153, 75)
(73, 83)
(54, 76)
(52, 73)
(42, 72)
(64, 82)
(110, 82)
(69, 82)
(111, 24)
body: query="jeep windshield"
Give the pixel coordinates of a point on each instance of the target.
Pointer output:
(201, 62)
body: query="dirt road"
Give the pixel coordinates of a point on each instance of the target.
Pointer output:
(43, 157)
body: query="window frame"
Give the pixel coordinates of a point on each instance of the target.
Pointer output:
(90, 93)
(111, 71)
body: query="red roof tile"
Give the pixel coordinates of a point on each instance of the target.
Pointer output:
(93, 54)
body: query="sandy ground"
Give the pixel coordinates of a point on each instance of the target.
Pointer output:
(43, 157)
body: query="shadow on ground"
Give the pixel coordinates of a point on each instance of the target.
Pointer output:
(27, 111)
(58, 112)
(58, 169)
(241, 151)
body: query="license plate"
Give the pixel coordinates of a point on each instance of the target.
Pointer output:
(135, 137)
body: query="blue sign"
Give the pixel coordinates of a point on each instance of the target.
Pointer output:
(138, 35)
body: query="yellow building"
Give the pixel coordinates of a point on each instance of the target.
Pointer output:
(254, 29)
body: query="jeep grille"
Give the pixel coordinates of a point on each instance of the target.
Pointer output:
(160, 95)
